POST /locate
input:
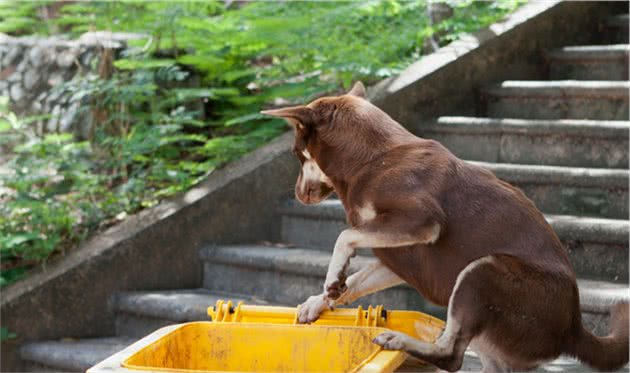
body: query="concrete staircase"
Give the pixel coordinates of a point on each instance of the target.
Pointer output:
(563, 141)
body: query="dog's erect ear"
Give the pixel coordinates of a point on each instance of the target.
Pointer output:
(358, 90)
(296, 115)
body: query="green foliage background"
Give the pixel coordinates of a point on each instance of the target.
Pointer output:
(185, 98)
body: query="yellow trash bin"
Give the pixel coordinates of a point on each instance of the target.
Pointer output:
(245, 338)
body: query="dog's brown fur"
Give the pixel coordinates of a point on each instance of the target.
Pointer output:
(453, 231)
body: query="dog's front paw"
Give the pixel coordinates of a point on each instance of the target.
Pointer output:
(336, 288)
(392, 341)
(310, 310)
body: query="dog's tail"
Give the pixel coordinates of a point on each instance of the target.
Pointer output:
(610, 352)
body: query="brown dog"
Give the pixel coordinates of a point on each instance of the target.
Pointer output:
(453, 231)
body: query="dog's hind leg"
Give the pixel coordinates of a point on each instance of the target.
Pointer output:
(515, 313)
(465, 320)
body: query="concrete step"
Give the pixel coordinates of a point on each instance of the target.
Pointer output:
(596, 298)
(560, 99)
(471, 364)
(140, 313)
(599, 192)
(564, 142)
(70, 355)
(590, 62)
(290, 275)
(598, 247)
(616, 29)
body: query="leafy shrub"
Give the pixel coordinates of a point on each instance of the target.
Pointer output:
(21, 17)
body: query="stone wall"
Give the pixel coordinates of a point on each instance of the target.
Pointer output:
(33, 69)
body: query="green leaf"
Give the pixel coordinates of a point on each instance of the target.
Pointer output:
(133, 64)
(11, 275)
(245, 119)
(13, 24)
(58, 138)
(15, 240)
(202, 62)
(190, 93)
(232, 75)
(183, 137)
(5, 334)
(5, 126)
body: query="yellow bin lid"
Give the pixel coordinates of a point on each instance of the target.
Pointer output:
(417, 324)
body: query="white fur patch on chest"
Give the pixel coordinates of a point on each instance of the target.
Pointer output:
(435, 233)
(366, 212)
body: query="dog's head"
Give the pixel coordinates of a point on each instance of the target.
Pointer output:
(316, 125)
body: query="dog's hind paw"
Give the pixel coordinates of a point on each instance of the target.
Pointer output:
(392, 340)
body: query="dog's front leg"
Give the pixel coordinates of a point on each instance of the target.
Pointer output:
(345, 247)
(367, 280)
(390, 230)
